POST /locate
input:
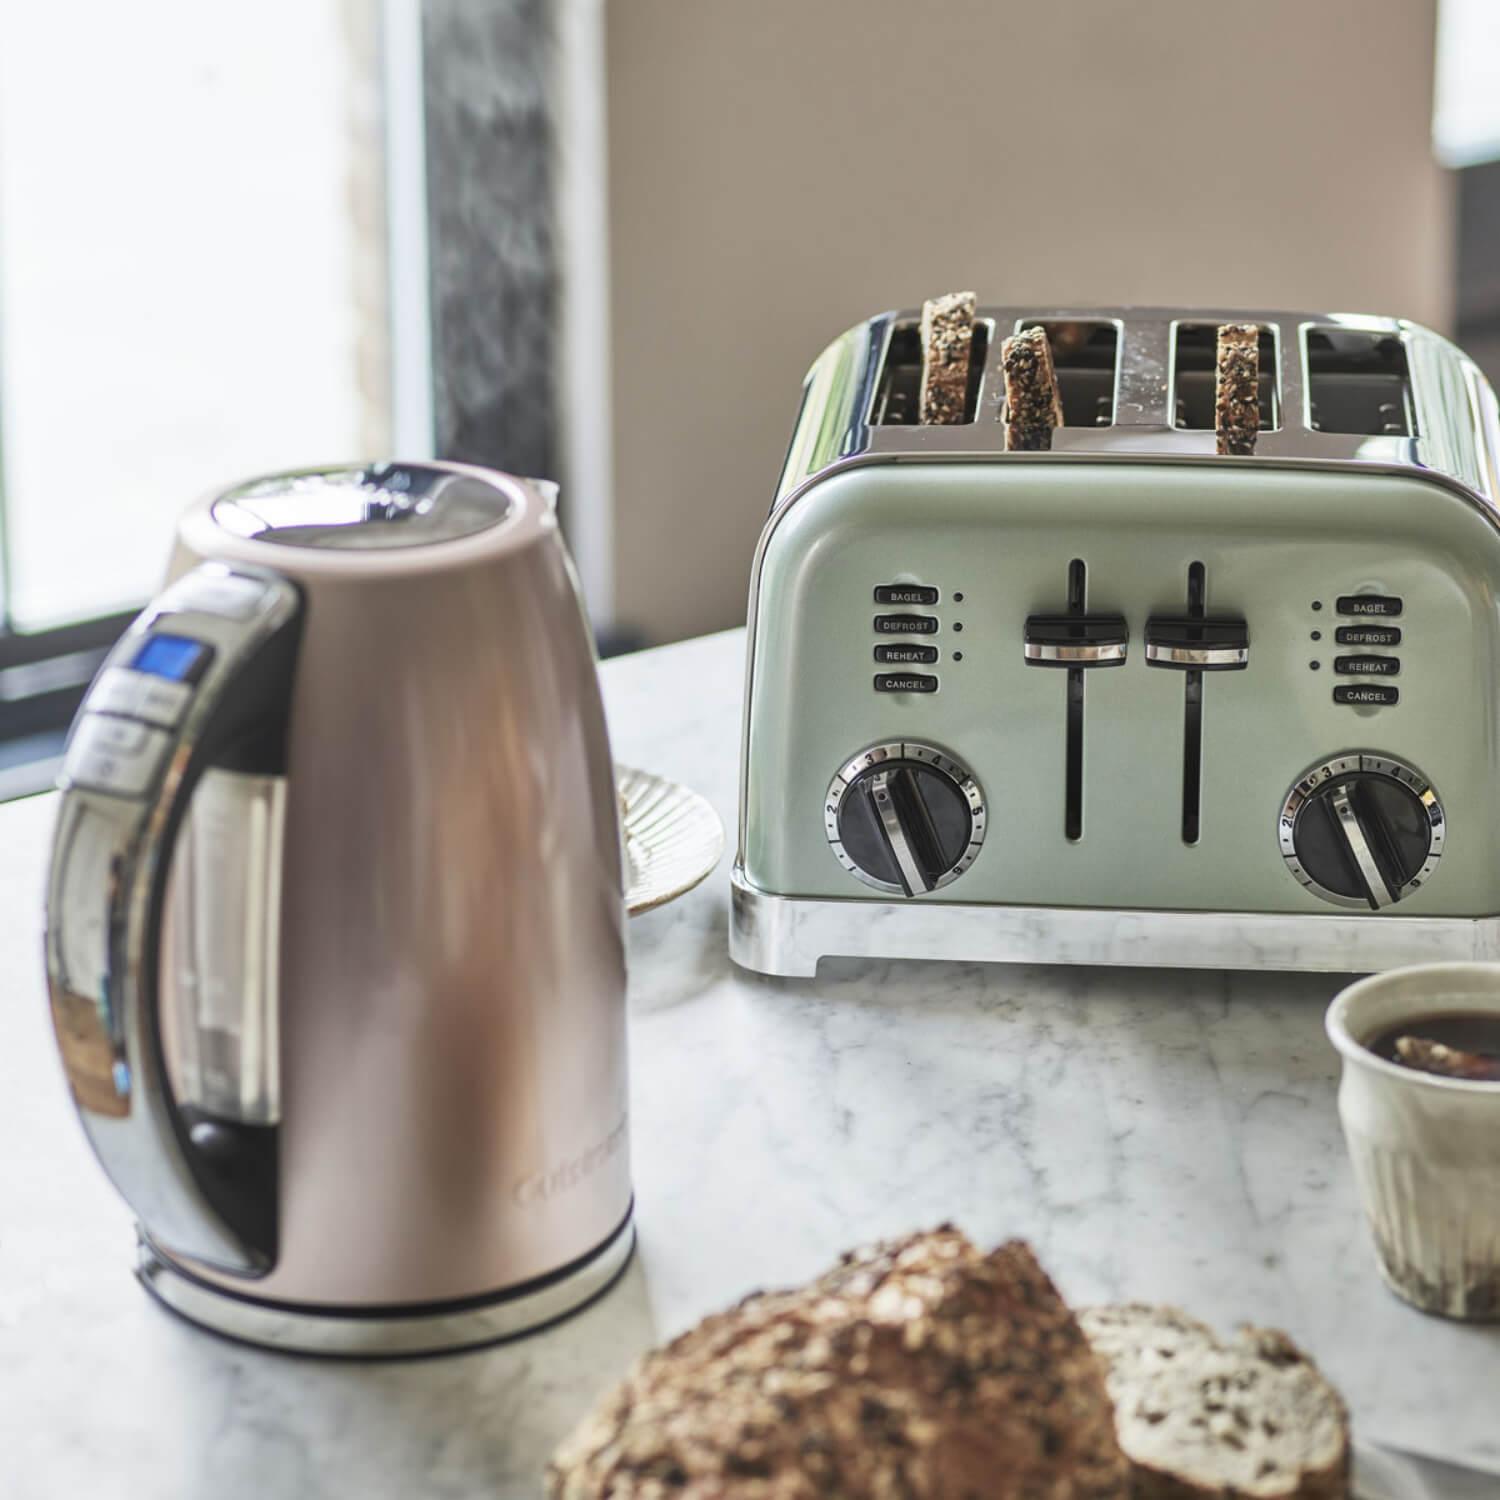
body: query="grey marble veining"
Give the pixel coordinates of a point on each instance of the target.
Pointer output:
(1157, 1134)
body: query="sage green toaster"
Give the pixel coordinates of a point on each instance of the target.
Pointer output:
(1128, 701)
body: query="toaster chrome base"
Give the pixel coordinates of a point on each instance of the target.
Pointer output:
(349, 1333)
(787, 935)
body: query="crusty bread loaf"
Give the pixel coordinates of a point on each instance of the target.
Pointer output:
(1237, 388)
(919, 1370)
(1251, 1419)
(1033, 403)
(947, 339)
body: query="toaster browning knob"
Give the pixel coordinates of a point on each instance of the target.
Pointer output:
(905, 818)
(1362, 830)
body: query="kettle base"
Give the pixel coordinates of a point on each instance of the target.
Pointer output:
(388, 1333)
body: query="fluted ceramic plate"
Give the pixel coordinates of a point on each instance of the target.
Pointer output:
(673, 838)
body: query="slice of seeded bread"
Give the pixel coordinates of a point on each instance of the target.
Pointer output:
(947, 341)
(1033, 403)
(917, 1370)
(1237, 388)
(1251, 1419)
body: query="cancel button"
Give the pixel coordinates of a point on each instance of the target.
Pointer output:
(1367, 666)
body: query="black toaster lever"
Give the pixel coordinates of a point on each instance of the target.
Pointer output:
(1188, 643)
(1076, 640)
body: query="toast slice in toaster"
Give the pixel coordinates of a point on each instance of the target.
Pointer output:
(947, 338)
(1237, 388)
(1033, 403)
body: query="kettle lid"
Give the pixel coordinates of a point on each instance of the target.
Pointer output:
(376, 507)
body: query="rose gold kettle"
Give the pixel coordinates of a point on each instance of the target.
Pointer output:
(335, 925)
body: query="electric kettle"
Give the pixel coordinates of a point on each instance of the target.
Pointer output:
(335, 921)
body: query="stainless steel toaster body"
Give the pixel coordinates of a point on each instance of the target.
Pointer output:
(1129, 701)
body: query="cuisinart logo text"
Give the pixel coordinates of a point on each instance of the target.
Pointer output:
(543, 1186)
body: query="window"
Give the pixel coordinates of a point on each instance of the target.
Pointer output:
(193, 288)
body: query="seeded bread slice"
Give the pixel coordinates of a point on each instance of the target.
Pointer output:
(918, 1370)
(1251, 1419)
(1033, 403)
(1237, 388)
(947, 342)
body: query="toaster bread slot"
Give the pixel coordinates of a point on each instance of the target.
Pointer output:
(1358, 382)
(1194, 377)
(899, 390)
(1084, 356)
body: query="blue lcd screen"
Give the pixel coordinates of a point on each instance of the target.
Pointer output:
(171, 656)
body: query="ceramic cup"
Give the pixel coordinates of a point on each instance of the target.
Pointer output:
(1425, 1149)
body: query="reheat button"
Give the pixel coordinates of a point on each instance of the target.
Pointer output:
(1367, 666)
(907, 656)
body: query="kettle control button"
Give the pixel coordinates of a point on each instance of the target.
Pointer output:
(214, 594)
(906, 625)
(162, 702)
(905, 593)
(1367, 666)
(1383, 606)
(1376, 694)
(114, 755)
(1368, 635)
(118, 691)
(905, 682)
(907, 656)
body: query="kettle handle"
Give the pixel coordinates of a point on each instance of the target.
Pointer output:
(201, 677)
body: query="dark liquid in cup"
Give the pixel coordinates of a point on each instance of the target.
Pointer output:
(1473, 1035)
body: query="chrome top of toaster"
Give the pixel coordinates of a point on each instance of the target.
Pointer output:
(1295, 759)
(1140, 386)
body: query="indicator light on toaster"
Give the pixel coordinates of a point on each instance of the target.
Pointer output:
(906, 625)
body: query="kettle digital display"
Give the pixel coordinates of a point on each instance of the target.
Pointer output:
(326, 1025)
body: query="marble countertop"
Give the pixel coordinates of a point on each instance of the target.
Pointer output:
(1156, 1134)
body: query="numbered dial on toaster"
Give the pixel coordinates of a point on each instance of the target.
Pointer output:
(905, 818)
(1362, 830)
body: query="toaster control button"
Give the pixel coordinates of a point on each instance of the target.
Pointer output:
(1075, 640)
(1382, 606)
(905, 593)
(1190, 643)
(906, 625)
(1368, 635)
(1375, 694)
(114, 755)
(905, 682)
(1367, 666)
(907, 656)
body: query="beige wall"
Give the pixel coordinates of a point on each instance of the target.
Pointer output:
(780, 169)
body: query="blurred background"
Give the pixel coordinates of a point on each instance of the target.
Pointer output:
(602, 241)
